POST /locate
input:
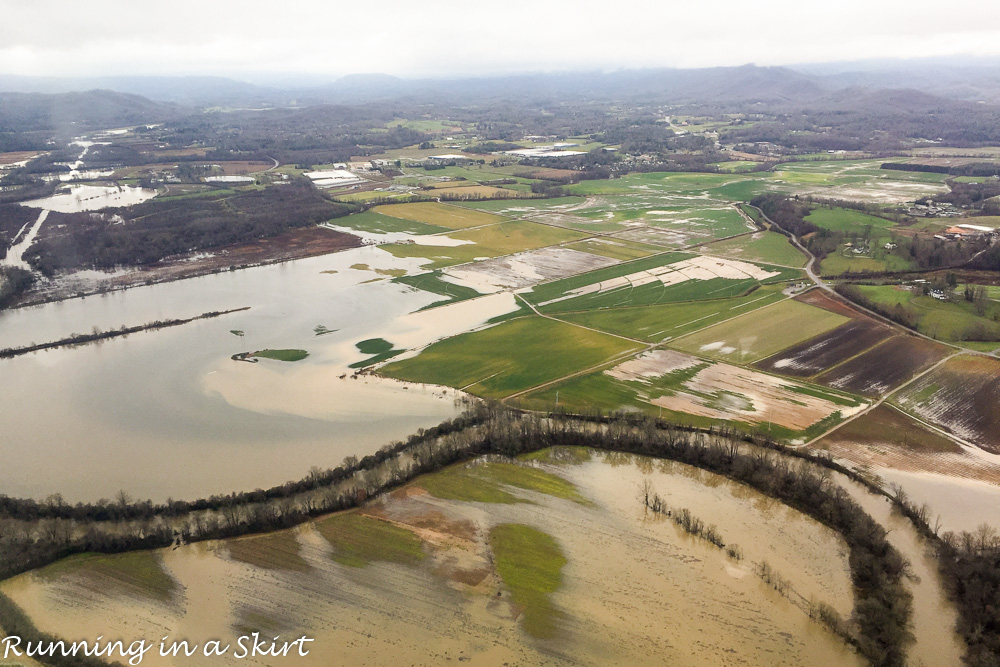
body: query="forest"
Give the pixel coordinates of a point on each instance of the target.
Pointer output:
(148, 232)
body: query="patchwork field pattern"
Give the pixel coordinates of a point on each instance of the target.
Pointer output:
(691, 390)
(664, 278)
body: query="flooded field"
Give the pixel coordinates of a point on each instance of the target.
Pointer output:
(963, 396)
(92, 198)
(168, 413)
(629, 587)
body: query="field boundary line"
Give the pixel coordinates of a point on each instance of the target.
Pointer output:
(880, 401)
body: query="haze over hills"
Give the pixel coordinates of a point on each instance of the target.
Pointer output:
(976, 81)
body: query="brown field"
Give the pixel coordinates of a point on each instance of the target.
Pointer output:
(826, 301)
(473, 190)
(546, 174)
(944, 161)
(722, 391)
(829, 349)
(962, 396)
(884, 366)
(178, 152)
(242, 167)
(888, 438)
(17, 156)
(135, 171)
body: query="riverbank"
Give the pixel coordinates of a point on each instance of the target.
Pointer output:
(291, 245)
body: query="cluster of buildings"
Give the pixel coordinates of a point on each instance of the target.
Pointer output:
(965, 231)
(933, 210)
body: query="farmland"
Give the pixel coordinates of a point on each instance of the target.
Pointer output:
(663, 278)
(761, 333)
(690, 390)
(442, 215)
(491, 240)
(767, 247)
(963, 396)
(660, 322)
(509, 357)
(884, 366)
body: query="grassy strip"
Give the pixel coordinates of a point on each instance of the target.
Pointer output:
(530, 563)
(432, 282)
(360, 540)
(281, 355)
(484, 483)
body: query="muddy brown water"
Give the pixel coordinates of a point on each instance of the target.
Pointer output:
(167, 413)
(636, 589)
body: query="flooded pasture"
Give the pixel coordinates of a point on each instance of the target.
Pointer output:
(635, 588)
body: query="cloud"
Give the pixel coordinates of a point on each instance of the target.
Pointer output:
(447, 37)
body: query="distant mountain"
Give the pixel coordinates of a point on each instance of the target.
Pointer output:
(67, 114)
(191, 91)
(770, 87)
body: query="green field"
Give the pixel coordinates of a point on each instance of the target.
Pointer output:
(761, 333)
(880, 259)
(509, 357)
(556, 296)
(563, 286)
(519, 208)
(498, 239)
(135, 574)
(443, 215)
(847, 220)
(663, 322)
(530, 563)
(282, 355)
(432, 282)
(485, 482)
(952, 320)
(370, 221)
(360, 540)
(770, 247)
(380, 348)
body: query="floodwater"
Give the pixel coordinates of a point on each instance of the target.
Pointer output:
(15, 254)
(80, 198)
(961, 504)
(168, 413)
(934, 617)
(635, 589)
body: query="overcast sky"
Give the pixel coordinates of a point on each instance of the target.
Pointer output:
(446, 37)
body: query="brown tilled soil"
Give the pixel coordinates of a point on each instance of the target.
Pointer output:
(822, 299)
(885, 366)
(965, 399)
(17, 156)
(829, 349)
(887, 438)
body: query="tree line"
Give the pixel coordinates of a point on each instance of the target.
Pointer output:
(148, 232)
